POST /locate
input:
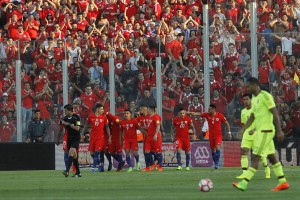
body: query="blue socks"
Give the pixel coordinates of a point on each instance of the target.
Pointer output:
(96, 159)
(218, 153)
(128, 160)
(66, 159)
(137, 157)
(187, 159)
(214, 156)
(159, 158)
(178, 156)
(148, 159)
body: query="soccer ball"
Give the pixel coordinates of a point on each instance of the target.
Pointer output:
(205, 185)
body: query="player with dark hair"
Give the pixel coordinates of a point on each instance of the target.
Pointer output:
(248, 138)
(264, 115)
(143, 120)
(71, 123)
(116, 146)
(129, 128)
(215, 120)
(154, 139)
(98, 123)
(182, 124)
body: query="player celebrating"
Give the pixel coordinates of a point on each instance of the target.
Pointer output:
(264, 115)
(116, 146)
(215, 120)
(248, 137)
(98, 122)
(154, 139)
(143, 120)
(71, 123)
(129, 128)
(182, 123)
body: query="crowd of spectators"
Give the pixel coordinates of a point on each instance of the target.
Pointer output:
(134, 33)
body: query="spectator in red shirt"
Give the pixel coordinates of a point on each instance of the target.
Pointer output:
(264, 70)
(32, 26)
(6, 105)
(7, 81)
(28, 97)
(288, 86)
(88, 99)
(219, 101)
(7, 130)
(12, 26)
(41, 80)
(175, 48)
(168, 105)
(229, 88)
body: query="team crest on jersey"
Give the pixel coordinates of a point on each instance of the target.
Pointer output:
(217, 119)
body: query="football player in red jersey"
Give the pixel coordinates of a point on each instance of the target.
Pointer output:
(98, 123)
(182, 123)
(215, 120)
(116, 146)
(129, 133)
(154, 138)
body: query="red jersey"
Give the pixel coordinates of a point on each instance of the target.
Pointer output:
(263, 73)
(88, 100)
(27, 101)
(182, 126)
(143, 121)
(114, 126)
(154, 121)
(6, 132)
(214, 123)
(40, 85)
(129, 128)
(170, 104)
(221, 103)
(176, 48)
(97, 125)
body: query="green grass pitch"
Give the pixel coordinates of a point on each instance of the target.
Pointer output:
(169, 184)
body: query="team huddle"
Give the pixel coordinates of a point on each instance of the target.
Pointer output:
(109, 135)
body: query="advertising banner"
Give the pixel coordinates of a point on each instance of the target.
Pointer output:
(201, 155)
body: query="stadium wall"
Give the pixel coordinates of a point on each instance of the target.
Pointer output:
(289, 154)
(48, 156)
(23, 156)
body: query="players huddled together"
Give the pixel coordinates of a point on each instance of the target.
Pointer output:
(109, 135)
